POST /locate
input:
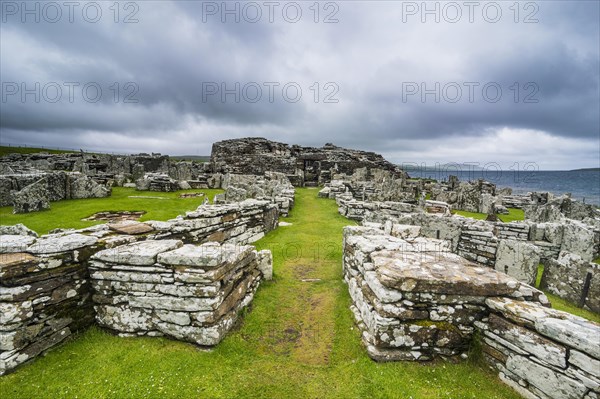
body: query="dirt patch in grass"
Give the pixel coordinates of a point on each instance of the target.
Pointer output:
(316, 341)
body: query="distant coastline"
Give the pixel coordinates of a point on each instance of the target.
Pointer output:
(585, 170)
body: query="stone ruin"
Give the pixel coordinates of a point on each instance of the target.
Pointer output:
(272, 186)
(133, 278)
(187, 292)
(566, 248)
(34, 191)
(413, 299)
(304, 166)
(424, 284)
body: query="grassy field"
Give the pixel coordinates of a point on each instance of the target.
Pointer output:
(298, 341)
(5, 150)
(514, 215)
(68, 213)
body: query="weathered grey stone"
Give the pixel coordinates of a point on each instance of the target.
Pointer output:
(265, 263)
(209, 255)
(440, 273)
(405, 231)
(567, 277)
(17, 229)
(578, 238)
(139, 253)
(123, 318)
(585, 362)
(553, 384)
(559, 326)
(61, 243)
(529, 341)
(131, 227)
(15, 243)
(518, 259)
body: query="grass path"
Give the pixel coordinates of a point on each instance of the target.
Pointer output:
(297, 341)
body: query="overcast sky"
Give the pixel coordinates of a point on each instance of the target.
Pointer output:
(486, 82)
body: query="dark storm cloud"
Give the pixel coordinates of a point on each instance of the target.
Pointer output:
(373, 55)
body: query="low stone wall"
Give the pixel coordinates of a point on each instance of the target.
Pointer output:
(512, 231)
(241, 222)
(415, 300)
(541, 352)
(373, 211)
(514, 248)
(34, 192)
(478, 243)
(272, 186)
(572, 278)
(44, 294)
(45, 290)
(191, 293)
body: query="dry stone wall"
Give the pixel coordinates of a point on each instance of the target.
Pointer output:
(572, 278)
(272, 186)
(191, 293)
(514, 248)
(413, 299)
(373, 211)
(45, 292)
(302, 165)
(541, 352)
(34, 192)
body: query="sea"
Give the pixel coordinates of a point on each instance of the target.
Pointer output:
(583, 185)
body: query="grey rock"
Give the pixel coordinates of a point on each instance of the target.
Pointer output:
(139, 253)
(60, 243)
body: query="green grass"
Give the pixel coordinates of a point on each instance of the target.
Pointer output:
(472, 215)
(564, 305)
(68, 213)
(298, 341)
(5, 150)
(514, 215)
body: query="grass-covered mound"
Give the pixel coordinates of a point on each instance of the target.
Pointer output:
(298, 341)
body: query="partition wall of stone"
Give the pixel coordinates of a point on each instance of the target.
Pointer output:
(413, 299)
(191, 293)
(132, 277)
(566, 247)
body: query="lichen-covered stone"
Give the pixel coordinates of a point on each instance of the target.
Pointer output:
(139, 253)
(60, 243)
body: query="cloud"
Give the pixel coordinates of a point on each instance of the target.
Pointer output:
(357, 79)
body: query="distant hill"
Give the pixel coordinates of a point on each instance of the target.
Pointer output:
(586, 170)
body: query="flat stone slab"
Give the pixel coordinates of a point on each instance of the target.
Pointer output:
(439, 273)
(559, 326)
(142, 253)
(15, 243)
(209, 255)
(60, 243)
(131, 227)
(12, 259)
